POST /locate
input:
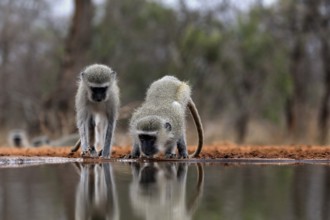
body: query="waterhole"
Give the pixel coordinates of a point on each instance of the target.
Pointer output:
(165, 190)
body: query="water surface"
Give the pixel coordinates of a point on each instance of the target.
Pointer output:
(165, 191)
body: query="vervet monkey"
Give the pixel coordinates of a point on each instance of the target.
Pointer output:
(97, 103)
(159, 124)
(18, 138)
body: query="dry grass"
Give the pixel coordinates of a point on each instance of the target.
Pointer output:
(224, 150)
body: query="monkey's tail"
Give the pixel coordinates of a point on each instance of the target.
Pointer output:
(76, 146)
(199, 127)
(194, 201)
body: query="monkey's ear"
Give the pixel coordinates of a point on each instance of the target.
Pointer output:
(82, 74)
(168, 126)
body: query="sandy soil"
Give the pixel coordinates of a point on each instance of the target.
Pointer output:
(208, 152)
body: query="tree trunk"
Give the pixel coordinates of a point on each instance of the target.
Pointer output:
(5, 46)
(297, 110)
(296, 103)
(59, 107)
(323, 117)
(243, 100)
(324, 109)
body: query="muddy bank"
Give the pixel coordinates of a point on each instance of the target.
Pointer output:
(297, 152)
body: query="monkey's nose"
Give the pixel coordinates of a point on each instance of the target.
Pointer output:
(98, 98)
(149, 151)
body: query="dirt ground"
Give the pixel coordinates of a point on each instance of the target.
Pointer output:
(209, 152)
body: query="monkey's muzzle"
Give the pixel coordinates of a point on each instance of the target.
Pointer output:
(148, 144)
(98, 93)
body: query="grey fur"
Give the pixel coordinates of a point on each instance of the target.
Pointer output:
(18, 138)
(163, 115)
(96, 121)
(98, 73)
(40, 141)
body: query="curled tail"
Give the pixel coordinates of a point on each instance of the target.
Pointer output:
(76, 146)
(199, 127)
(194, 201)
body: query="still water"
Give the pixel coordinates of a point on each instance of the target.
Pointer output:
(165, 191)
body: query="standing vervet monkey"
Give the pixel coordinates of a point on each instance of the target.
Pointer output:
(97, 103)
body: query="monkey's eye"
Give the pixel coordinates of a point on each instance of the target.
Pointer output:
(168, 126)
(99, 89)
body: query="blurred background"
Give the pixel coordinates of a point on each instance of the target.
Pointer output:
(260, 69)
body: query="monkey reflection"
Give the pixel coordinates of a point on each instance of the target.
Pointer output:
(158, 191)
(96, 196)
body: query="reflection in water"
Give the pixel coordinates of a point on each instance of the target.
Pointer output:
(158, 191)
(96, 196)
(165, 191)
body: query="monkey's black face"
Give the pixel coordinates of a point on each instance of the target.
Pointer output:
(99, 94)
(17, 141)
(148, 144)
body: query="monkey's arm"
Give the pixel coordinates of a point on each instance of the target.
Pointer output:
(108, 136)
(83, 126)
(135, 153)
(182, 147)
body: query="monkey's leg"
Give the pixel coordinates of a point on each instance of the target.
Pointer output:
(91, 137)
(182, 147)
(83, 132)
(170, 150)
(108, 138)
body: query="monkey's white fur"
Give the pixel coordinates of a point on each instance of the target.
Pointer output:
(103, 114)
(166, 102)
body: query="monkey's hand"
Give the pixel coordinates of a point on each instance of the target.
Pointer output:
(183, 155)
(93, 152)
(130, 156)
(85, 154)
(170, 156)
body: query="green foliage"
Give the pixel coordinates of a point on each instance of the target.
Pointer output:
(240, 63)
(197, 41)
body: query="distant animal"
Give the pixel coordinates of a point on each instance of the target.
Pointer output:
(97, 103)
(67, 140)
(159, 124)
(40, 141)
(159, 191)
(18, 138)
